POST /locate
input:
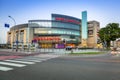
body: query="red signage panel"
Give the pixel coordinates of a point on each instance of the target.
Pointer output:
(67, 20)
(47, 38)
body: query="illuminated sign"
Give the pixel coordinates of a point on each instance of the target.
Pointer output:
(67, 20)
(47, 38)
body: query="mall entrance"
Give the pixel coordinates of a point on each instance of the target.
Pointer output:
(46, 45)
(49, 42)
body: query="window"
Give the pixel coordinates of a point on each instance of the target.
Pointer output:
(90, 32)
(21, 36)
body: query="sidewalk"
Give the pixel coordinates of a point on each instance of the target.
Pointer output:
(9, 52)
(9, 57)
(50, 51)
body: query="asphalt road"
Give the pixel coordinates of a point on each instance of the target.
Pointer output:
(68, 68)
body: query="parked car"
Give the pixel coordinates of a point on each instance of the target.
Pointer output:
(68, 48)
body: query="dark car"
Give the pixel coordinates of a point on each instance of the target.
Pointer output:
(68, 48)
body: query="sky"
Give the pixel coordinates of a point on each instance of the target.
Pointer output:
(103, 11)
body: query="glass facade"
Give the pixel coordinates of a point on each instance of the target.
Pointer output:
(84, 25)
(56, 31)
(48, 23)
(55, 27)
(65, 27)
(40, 23)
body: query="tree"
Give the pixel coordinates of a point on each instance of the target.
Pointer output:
(109, 33)
(113, 31)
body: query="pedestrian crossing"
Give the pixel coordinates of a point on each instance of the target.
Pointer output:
(12, 64)
(20, 61)
(7, 65)
(2, 68)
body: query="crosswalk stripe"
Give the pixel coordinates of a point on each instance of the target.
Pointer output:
(5, 68)
(45, 57)
(32, 59)
(38, 57)
(20, 61)
(12, 64)
(29, 60)
(35, 60)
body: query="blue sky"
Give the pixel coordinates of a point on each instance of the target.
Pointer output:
(104, 11)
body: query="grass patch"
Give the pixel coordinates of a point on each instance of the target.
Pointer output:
(88, 53)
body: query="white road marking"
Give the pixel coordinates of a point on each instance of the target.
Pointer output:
(38, 58)
(47, 55)
(20, 61)
(29, 60)
(32, 59)
(12, 64)
(5, 68)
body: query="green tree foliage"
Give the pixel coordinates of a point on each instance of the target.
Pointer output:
(109, 33)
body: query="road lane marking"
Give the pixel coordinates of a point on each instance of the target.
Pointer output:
(5, 68)
(12, 64)
(20, 61)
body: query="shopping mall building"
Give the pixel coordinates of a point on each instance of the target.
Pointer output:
(59, 32)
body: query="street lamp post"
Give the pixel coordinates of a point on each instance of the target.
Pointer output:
(13, 34)
(13, 20)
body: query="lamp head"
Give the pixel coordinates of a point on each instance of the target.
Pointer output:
(9, 16)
